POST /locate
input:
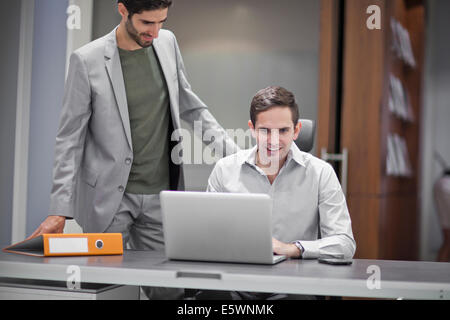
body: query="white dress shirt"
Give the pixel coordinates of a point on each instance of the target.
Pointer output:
(308, 203)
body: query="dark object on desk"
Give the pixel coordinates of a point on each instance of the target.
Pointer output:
(336, 262)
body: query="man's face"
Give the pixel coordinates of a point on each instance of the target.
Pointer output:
(145, 26)
(274, 132)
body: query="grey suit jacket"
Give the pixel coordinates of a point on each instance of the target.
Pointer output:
(93, 154)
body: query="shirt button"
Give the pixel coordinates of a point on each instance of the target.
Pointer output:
(128, 161)
(121, 189)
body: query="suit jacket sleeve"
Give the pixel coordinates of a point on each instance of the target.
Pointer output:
(75, 115)
(193, 109)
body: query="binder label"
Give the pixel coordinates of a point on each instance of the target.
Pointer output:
(68, 245)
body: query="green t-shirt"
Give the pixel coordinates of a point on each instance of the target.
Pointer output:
(149, 112)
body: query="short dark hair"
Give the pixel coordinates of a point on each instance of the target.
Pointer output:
(137, 6)
(271, 97)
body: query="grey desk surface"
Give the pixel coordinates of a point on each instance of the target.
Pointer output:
(398, 279)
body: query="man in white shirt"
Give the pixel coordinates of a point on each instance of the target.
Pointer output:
(310, 218)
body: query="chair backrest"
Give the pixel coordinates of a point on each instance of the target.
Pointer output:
(305, 140)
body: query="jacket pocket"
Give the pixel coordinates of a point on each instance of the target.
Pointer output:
(88, 176)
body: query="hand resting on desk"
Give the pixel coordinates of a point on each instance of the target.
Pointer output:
(52, 224)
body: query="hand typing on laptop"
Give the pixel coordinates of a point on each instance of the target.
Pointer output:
(289, 250)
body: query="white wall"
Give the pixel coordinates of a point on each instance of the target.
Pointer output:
(105, 17)
(436, 119)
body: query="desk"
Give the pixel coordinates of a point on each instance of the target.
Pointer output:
(399, 279)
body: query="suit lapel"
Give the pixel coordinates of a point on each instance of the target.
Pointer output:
(170, 76)
(112, 62)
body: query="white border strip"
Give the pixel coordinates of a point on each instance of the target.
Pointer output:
(19, 213)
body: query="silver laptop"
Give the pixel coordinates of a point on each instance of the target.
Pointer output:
(219, 227)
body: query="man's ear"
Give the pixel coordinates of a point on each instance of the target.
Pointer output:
(122, 10)
(252, 128)
(297, 129)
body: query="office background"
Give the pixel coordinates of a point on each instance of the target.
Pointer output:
(231, 49)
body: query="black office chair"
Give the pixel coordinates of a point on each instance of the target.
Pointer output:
(305, 140)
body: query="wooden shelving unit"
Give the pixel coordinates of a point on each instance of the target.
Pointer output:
(384, 208)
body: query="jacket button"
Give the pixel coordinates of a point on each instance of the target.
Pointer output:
(121, 189)
(128, 161)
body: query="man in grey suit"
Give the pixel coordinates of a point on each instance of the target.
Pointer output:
(125, 94)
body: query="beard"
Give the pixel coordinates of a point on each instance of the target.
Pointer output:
(134, 34)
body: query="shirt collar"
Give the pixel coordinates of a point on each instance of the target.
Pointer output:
(294, 154)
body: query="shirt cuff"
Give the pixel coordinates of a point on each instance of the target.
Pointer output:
(311, 249)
